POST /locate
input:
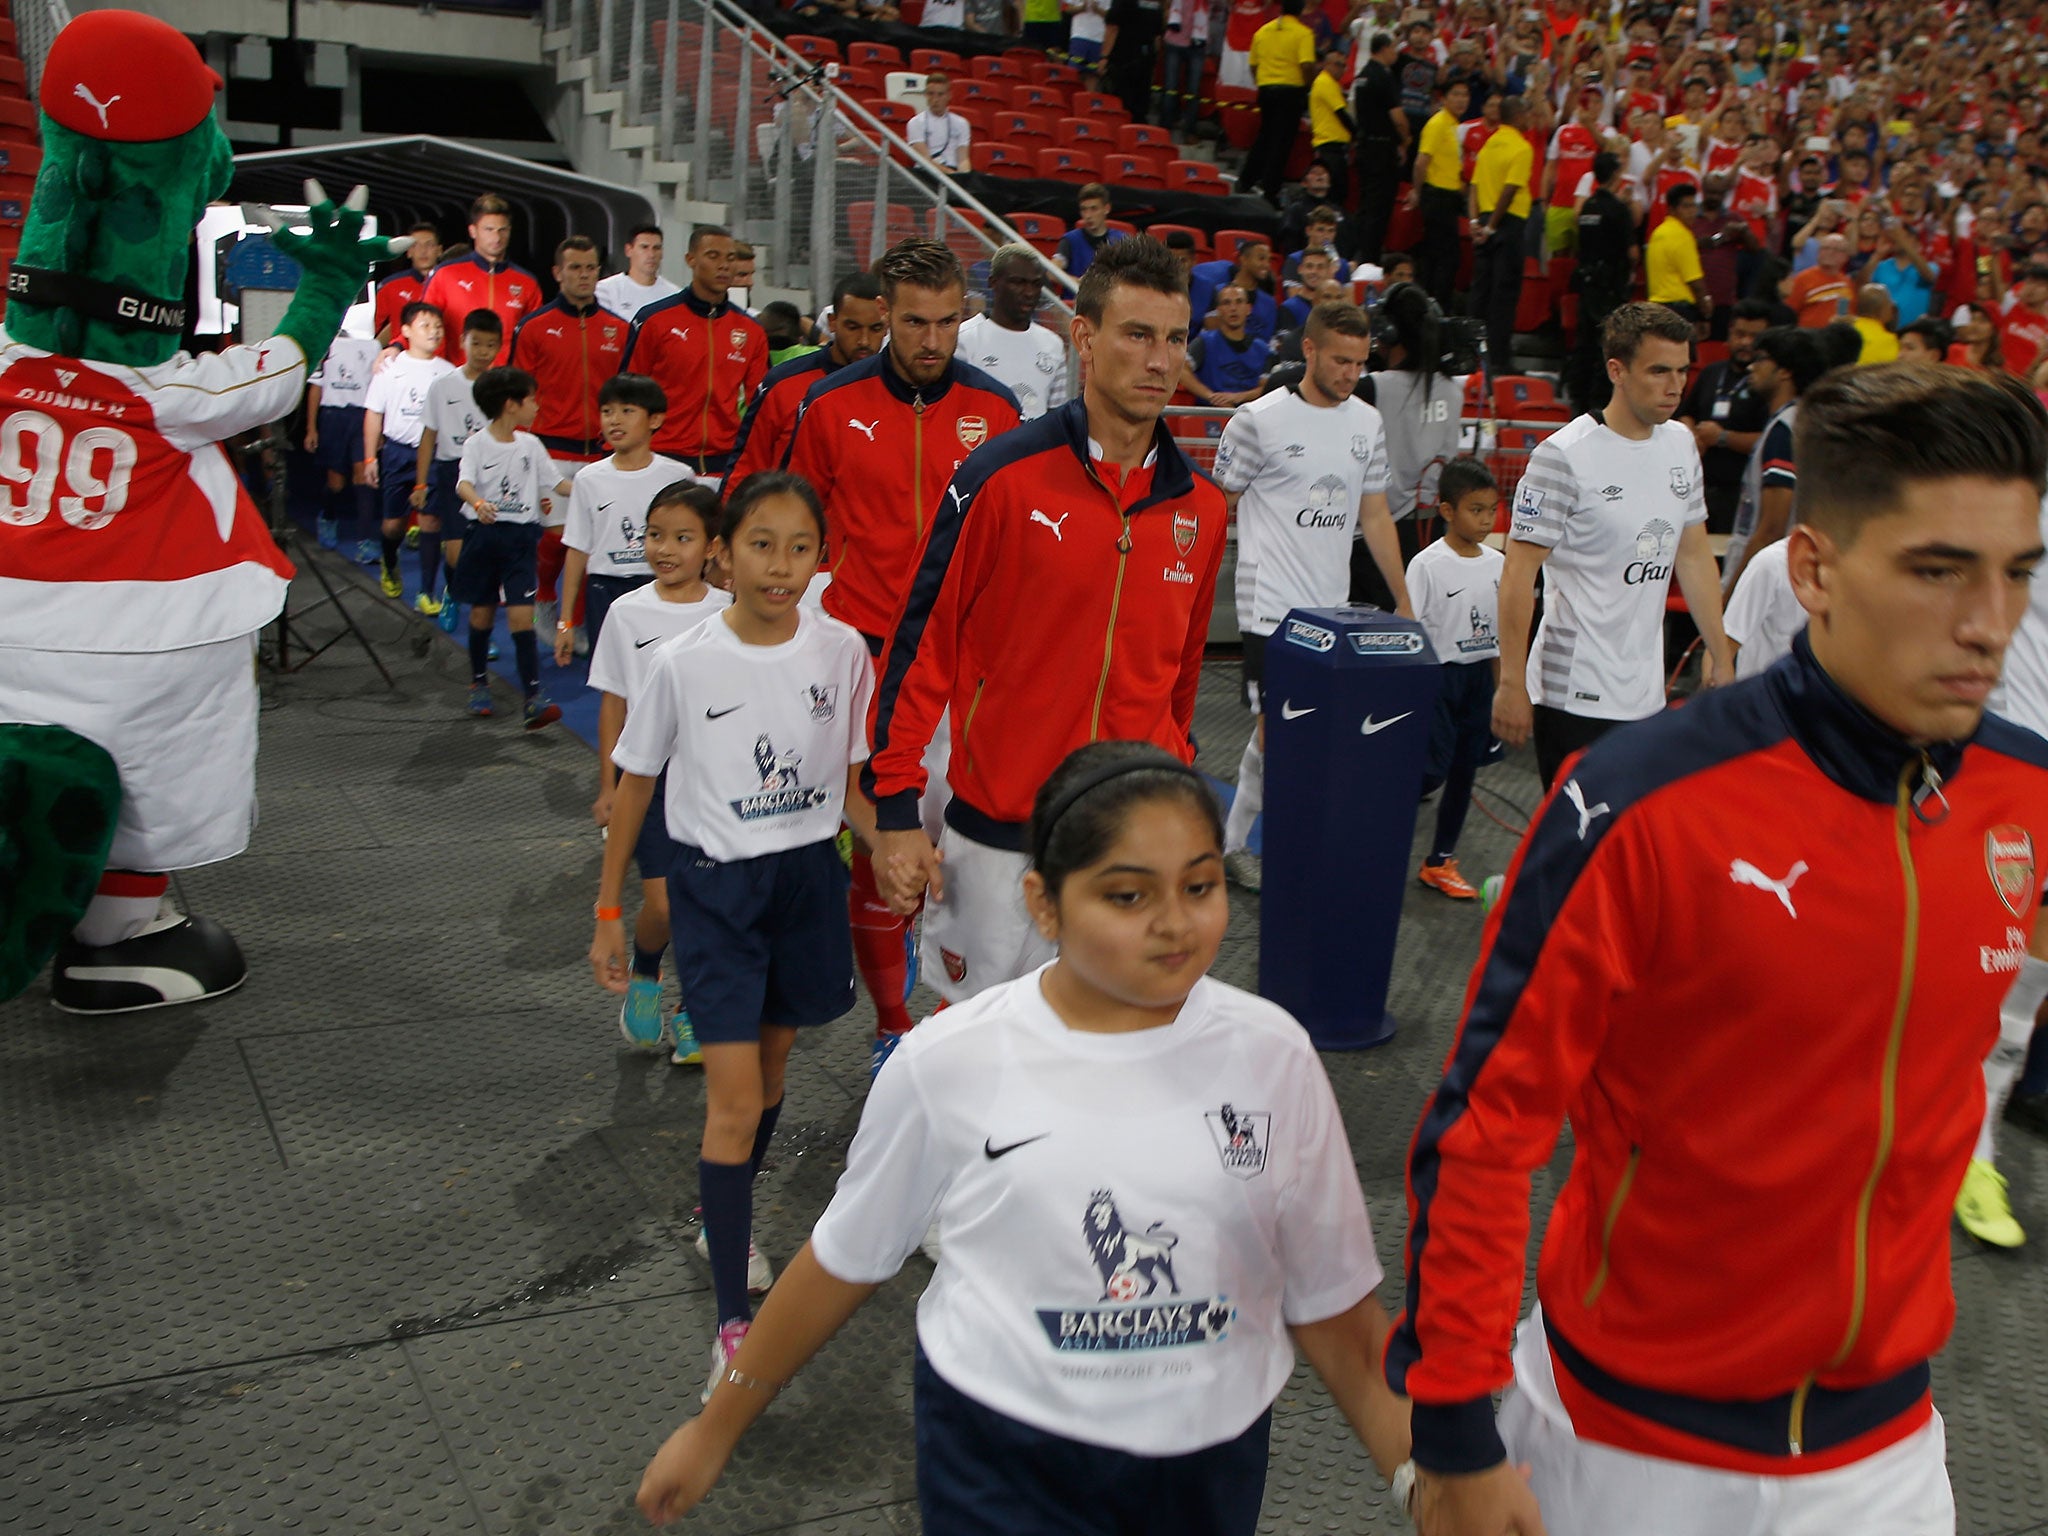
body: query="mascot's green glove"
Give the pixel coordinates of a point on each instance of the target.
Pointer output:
(334, 260)
(59, 797)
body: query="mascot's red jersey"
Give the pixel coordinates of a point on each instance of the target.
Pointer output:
(123, 525)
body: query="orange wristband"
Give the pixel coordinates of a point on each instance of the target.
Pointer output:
(610, 914)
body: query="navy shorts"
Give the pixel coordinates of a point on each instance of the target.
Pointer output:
(397, 470)
(761, 941)
(1463, 725)
(443, 475)
(500, 564)
(982, 1473)
(599, 593)
(655, 851)
(341, 439)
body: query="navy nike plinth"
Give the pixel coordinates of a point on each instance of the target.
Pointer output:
(1349, 695)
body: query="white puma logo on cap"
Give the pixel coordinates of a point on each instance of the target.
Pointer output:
(84, 93)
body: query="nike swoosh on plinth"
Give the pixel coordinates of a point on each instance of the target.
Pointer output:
(1372, 727)
(1289, 712)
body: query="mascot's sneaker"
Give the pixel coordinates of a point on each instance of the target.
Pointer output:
(182, 960)
(760, 1274)
(640, 1019)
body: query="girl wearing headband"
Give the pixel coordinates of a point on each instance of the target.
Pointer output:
(1145, 1198)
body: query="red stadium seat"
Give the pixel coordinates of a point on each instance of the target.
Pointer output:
(1475, 396)
(21, 160)
(1120, 227)
(1098, 104)
(859, 80)
(1161, 231)
(925, 60)
(996, 68)
(1237, 110)
(1085, 130)
(1041, 98)
(1018, 127)
(1226, 241)
(1064, 164)
(1016, 161)
(1711, 352)
(860, 221)
(1131, 171)
(813, 47)
(1133, 137)
(874, 55)
(990, 93)
(955, 229)
(1517, 397)
(1041, 230)
(980, 115)
(1532, 306)
(1061, 77)
(18, 114)
(894, 113)
(1024, 56)
(1196, 176)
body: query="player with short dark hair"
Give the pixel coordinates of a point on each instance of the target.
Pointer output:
(486, 278)
(1063, 596)
(1747, 1271)
(626, 293)
(707, 354)
(858, 329)
(1611, 507)
(409, 283)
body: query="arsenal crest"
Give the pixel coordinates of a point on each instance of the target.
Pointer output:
(739, 338)
(973, 431)
(1186, 527)
(2009, 857)
(956, 965)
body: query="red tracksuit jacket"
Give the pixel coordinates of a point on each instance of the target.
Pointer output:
(708, 358)
(771, 418)
(471, 283)
(393, 294)
(1048, 611)
(570, 352)
(880, 453)
(1758, 961)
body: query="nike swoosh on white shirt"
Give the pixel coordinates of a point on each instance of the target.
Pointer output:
(1372, 727)
(1289, 712)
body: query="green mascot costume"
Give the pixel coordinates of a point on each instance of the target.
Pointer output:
(135, 573)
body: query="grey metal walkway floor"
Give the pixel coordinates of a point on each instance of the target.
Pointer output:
(396, 1239)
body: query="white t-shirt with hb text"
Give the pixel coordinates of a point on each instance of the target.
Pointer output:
(1610, 510)
(626, 298)
(400, 393)
(1457, 600)
(511, 476)
(2022, 695)
(1300, 470)
(345, 372)
(607, 517)
(1033, 362)
(451, 415)
(635, 628)
(1128, 1223)
(763, 734)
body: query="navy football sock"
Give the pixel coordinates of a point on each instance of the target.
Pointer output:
(526, 655)
(726, 1191)
(479, 655)
(646, 962)
(391, 546)
(763, 1134)
(430, 561)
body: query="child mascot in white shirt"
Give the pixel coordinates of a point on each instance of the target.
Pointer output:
(135, 572)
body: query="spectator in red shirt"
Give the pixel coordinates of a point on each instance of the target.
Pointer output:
(2024, 331)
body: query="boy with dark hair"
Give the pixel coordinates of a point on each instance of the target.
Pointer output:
(393, 410)
(1747, 1271)
(1454, 585)
(605, 532)
(505, 472)
(1787, 362)
(858, 328)
(450, 419)
(1084, 242)
(334, 429)
(486, 278)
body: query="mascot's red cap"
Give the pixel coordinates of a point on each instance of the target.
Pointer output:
(128, 78)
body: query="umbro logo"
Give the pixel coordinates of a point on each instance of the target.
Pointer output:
(1611, 492)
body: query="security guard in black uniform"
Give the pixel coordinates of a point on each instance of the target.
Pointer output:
(1609, 245)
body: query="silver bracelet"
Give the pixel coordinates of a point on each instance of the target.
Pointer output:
(752, 1383)
(1404, 1487)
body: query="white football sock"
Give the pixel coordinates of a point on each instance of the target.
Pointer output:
(1251, 795)
(2016, 1017)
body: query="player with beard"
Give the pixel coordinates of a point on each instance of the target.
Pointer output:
(857, 330)
(879, 440)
